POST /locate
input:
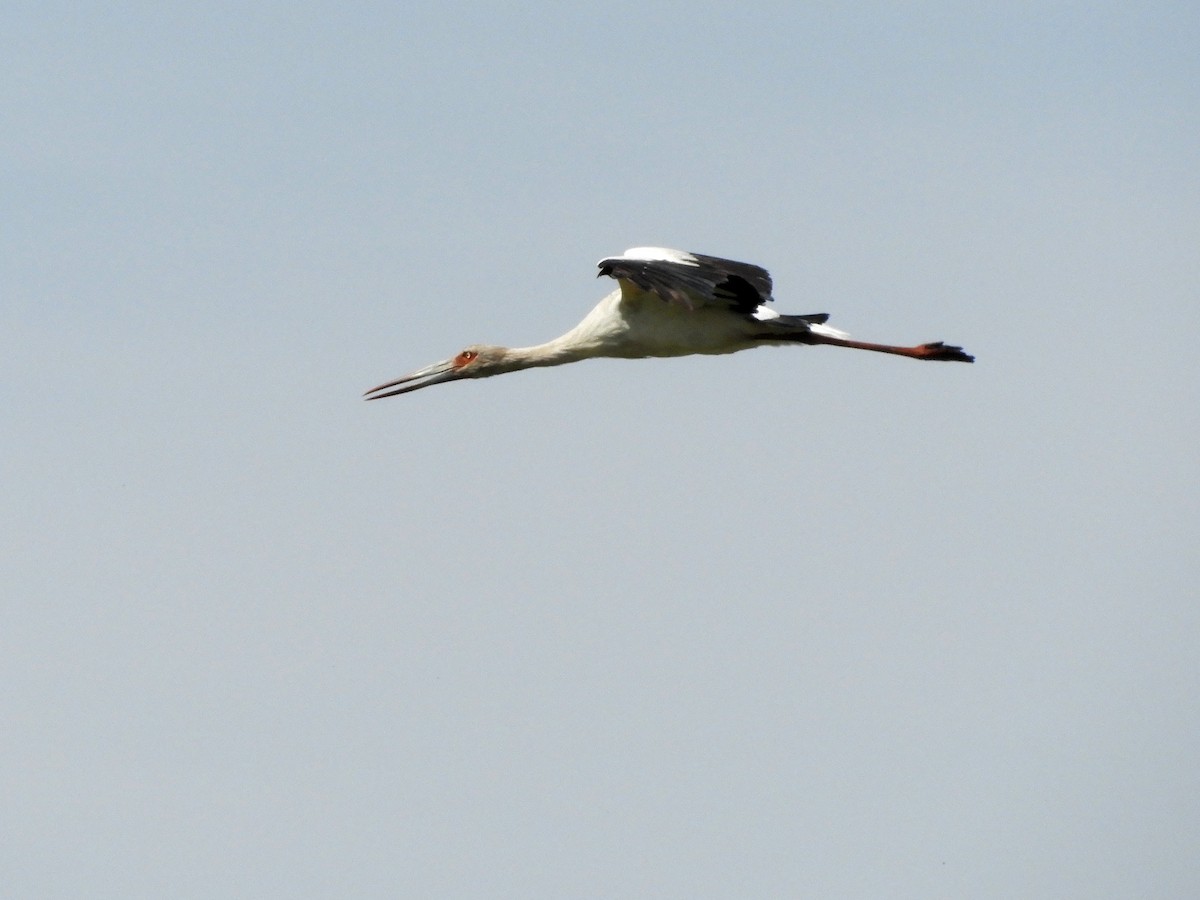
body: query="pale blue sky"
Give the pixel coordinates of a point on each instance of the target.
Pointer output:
(791, 623)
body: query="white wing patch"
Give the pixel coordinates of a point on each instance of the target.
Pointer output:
(764, 313)
(649, 254)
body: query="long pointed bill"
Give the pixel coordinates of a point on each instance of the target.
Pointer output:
(435, 374)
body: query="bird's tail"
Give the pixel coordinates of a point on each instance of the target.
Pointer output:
(814, 323)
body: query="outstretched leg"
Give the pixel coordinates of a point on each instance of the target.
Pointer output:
(935, 351)
(810, 330)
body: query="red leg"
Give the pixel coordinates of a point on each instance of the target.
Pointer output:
(934, 351)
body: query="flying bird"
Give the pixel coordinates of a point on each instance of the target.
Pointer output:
(668, 303)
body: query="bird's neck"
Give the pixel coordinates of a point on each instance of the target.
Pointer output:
(552, 353)
(594, 336)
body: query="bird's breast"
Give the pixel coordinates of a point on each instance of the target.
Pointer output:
(662, 329)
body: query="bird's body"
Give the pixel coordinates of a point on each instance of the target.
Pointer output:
(642, 325)
(668, 303)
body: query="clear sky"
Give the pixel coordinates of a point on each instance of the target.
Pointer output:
(799, 622)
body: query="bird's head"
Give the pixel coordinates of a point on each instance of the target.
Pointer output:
(476, 361)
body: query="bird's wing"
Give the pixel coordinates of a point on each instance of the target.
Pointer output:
(690, 279)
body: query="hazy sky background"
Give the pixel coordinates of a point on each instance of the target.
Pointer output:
(800, 622)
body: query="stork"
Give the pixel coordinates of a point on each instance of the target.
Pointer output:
(668, 303)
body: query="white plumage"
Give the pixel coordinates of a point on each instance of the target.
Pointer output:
(668, 303)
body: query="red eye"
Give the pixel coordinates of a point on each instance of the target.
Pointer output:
(465, 357)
